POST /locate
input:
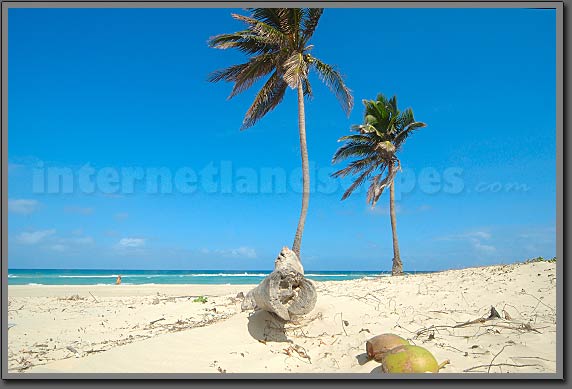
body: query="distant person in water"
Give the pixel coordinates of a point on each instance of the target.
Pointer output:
(118, 281)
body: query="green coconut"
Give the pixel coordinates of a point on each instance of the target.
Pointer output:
(379, 345)
(409, 359)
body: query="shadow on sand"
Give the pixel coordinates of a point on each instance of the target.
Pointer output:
(266, 327)
(377, 370)
(362, 359)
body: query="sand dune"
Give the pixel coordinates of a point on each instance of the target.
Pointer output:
(159, 329)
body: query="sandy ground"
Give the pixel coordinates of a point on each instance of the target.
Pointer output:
(159, 329)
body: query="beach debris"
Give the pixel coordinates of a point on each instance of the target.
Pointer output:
(284, 292)
(409, 359)
(381, 344)
(301, 351)
(343, 322)
(155, 301)
(155, 321)
(74, 297)
(499, 365)
(10, 325)
(95, 351)
(240, 295)
(492, 315)
(94, 297)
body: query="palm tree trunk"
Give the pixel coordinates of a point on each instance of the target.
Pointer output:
(305, 173)
(397, 268)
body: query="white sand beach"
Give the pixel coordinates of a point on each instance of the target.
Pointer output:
(159, 329)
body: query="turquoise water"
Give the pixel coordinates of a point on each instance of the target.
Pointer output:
(138, 277)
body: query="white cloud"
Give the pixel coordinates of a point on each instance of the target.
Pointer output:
(424, 208)
(467, 236)
(476, 239)
(73, 243)
(478, 234)
(23, 206)
(131, 242)
(484, 247)
(241, 252)
(79, 210)
(59, 247)
(247, 252)
(34, 237)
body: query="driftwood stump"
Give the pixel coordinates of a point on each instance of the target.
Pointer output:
(285, 291)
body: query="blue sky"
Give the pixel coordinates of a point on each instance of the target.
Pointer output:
(110, 89)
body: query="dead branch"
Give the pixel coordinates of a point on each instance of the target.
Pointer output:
(497, 365)
(539, 301)
(94, 297)
(496, 355)
(493, 315)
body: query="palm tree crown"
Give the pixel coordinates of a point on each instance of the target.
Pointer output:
(375, 147)
(276, 41)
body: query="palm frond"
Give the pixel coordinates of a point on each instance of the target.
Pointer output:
(228, 74)
(404, 134)
(295, 70)
(335, 82)
(245, 41)
(359, 165)
(353, 150)
(307, 88)
(257, 67)
(363, 138)
(358, 182)
(271, 34)
(378, 184)
(266, 100)
(269, 16)
(293, 29)
(312, 17)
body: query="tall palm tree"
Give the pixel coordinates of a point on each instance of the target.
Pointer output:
(276, 41)
(374, 150)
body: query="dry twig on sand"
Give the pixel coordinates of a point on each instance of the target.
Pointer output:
(495, 357)
(493, 315)
(94, 297)
(342, 321)
(497, 365)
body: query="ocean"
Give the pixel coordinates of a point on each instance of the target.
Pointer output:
(139, 277)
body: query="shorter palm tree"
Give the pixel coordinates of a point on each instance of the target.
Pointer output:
(374, 150)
